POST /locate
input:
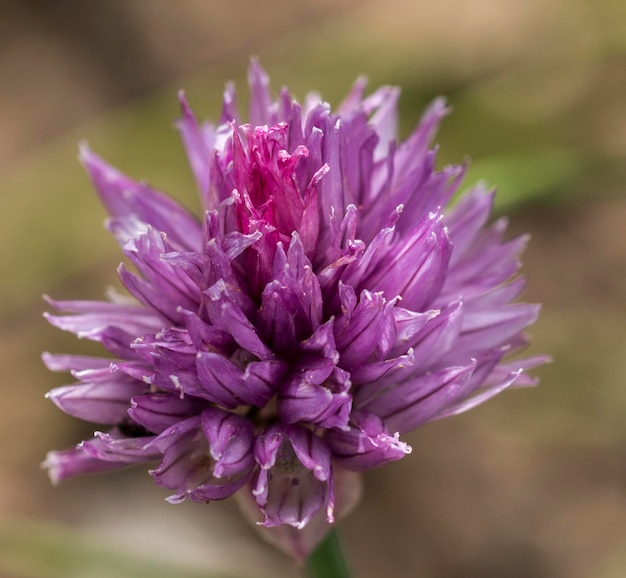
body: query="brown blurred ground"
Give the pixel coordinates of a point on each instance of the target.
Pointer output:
(533, 483)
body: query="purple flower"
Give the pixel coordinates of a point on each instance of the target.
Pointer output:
(326, 302)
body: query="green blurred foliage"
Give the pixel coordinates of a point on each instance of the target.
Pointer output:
(35, 550)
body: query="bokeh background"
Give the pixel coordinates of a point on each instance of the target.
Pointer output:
(533, 484)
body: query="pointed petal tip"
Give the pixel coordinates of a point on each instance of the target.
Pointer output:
(51, 469)
(255, 62)
(97, 168)
(184, 104)
(532, 362)
(94, 164)
(176, 499)
(440, 106)
(54, 303)
(84, 152)
(256, 72)
(361, 81)
(57, 395)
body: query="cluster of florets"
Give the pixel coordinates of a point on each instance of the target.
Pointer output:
(324, 304)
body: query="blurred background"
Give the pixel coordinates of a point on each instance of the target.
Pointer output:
(533, 484)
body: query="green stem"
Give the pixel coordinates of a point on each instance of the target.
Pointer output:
(328, 560)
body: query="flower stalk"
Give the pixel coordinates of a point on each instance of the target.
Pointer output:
(328, 560)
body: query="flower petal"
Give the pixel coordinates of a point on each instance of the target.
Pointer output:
(124, 197)
(105, 403)
(188, 464)
(65, 464)
(367, 444)
(317, 392)
(159, 411)
(295, 479)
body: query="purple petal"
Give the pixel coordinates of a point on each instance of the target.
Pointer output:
(229, 105)
(312, 452)
(116, 333)
(205, 336)
(378, 370)
(359, 140)
(367, 444)
(354, 98)
(96, 325)
(66, 464)
(123, 197)
(115, 447)
(230, 439)
(425, 253)
(437, 337)
(497, 297)
(316, 393)
(105, 403)
(409, 327)
(92, 319)
(366, 329)
(486, 330)
(199, 143)
(332, 197)
(159, 411)
(291, 306)
(162, 286)
(260, 99)
(415, 402)
(225, 383)
(471, 402)
(228, 316)
(188, 465)
(299, 543)
(502, 370)
(385, 119)
(64, 362)
(267, 445)
(467, 218)
(322, 342)
(488, 264)
(295, 479)
(416, 145)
